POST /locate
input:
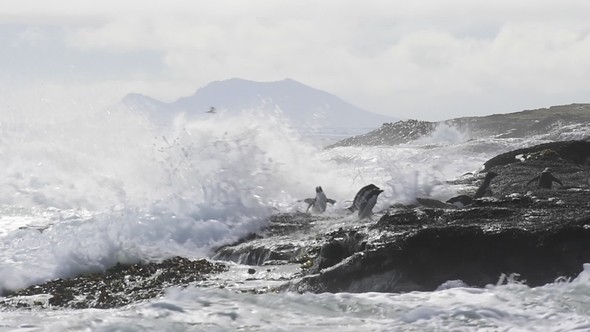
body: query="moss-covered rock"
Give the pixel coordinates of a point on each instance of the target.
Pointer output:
(118, 286)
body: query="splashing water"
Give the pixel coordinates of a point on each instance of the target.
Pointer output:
(111, 187)
(444, 134)
(81, 190)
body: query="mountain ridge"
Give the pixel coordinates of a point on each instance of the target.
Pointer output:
(304, 105)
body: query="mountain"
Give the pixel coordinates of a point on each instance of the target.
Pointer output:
(567, 118)
(303, 105)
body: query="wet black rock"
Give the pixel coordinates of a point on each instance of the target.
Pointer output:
(466, 249)
(118, 286)
(341, 246)
(274, 246)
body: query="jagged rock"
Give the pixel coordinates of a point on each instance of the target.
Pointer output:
(341, 247)
(280, 250)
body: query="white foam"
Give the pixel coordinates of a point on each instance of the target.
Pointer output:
(555, 307)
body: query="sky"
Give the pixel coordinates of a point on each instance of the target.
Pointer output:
(423, 59)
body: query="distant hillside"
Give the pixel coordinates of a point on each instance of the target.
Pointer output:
(510, 125)
(303, 105)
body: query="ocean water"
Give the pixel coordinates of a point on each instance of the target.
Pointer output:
(82, 189)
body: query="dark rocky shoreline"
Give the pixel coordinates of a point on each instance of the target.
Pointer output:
(539, 234)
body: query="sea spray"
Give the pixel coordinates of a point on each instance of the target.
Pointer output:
(444, 134)
(150, 191)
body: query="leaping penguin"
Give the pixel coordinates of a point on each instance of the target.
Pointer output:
(320, 201)
(545, 179)
(365, 200)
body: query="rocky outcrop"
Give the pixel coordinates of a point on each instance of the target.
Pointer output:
(510, 125)
(475, 245)
(538, 234)
(390, 134)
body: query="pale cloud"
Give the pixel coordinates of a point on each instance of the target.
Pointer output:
(33, 36)
(425, 59)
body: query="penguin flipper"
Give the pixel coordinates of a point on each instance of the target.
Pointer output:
(331, 201)
(309, 201)
(554, 179)
(533, 179)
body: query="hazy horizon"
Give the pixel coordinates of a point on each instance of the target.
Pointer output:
(422, 60)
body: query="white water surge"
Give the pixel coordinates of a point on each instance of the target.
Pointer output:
(83, 189)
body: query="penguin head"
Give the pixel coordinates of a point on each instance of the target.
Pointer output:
(318, 189)
(373, 190)
(547, 170)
